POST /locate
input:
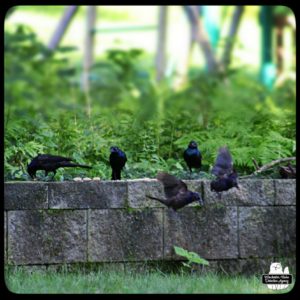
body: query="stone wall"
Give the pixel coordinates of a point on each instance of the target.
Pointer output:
(104, 221)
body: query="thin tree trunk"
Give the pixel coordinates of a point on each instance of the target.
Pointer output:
(160, 61)
(237, 15)
(88, 46)
(62, 26)
(202, 39)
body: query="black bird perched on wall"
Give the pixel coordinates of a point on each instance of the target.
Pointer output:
(176, 192)
(50, 163)
(192, 156)
(117, 160)
(226, 174)
(287, 172)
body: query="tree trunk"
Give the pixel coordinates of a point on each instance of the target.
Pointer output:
(202, 39)
(62, 26)
(88, 46)
(237, 15)
(161, 43)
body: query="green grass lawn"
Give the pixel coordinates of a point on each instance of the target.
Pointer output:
(112, 281)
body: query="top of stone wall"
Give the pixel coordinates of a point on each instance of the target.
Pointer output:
(132, 194)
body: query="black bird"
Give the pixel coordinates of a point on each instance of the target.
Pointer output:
(117, 160)
(50, 163)
(192, 156)
(224, 171)
(287, 172)
(176, 192)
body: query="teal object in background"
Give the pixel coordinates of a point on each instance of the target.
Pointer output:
(268, 68)
(268, 74)
(212, 15)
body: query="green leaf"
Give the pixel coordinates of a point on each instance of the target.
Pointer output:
(191, 256)
(180, 251)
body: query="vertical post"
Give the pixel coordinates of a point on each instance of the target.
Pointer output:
(62, 26)
(160, 60)
(88, 46)
(268, 70)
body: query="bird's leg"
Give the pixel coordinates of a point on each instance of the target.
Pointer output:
(219, 196)
(190, 172)
(46, 173)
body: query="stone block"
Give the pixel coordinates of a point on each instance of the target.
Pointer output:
(125, 235)
(267, 231)
(45, 237)
(209, 231)
(89, 194)
(195, 186)
(251, 192)
(25, 195)
(285, 192)
(138, 189)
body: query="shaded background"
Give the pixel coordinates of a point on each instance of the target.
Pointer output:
(149, 80)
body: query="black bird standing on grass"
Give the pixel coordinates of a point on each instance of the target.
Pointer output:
(117, 160)
(50, 163)
(226, 174)
(192, 156)
(176, 192)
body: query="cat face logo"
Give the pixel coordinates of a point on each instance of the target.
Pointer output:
(278, 276)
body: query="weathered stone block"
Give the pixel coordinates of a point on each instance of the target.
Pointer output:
(285, 192)
(267, 231)
(195, 186)
(42, 237)
(138, 189)
(125, 235)
(25, 195)
(251, 192)
(209, 231)
(90, 194)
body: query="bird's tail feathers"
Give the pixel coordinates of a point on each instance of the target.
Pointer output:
(157, 199)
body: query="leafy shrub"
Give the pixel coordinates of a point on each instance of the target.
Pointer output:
(46, 111)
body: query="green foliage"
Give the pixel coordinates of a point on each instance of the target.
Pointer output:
(46, 112)
(192, 257)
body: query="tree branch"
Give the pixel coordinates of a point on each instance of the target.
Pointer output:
(255, 163)
(267, 166)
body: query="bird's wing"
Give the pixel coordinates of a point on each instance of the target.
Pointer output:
(172, 185)
(52, 158)
(223, 165)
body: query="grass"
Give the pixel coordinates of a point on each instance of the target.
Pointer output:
(21, 281)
